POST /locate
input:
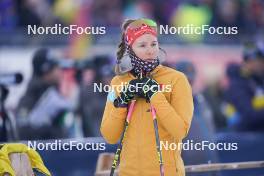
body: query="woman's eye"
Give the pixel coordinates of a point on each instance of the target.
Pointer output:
(141, 45)
(153, 44)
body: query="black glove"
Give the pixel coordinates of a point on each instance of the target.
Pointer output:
(149, 87)
(128, 94)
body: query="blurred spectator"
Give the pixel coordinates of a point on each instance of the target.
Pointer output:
(246, 15)
(163, 10)
(106, 14)
(214, 94)
(35, 12)
(245, 94)
(8, 127)
(228, 13)
(3, 114)
(192, 13)
(43, 110)
(254, 16)
(8, 18)
(139, 9)
(92, 100)
(67, 10)
(202, 127)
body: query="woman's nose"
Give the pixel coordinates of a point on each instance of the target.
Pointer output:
(149, 51)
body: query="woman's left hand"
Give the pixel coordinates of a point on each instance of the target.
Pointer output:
(149, 87)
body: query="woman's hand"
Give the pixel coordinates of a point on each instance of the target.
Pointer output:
(142, 87)
(149, 87)
(128, 94)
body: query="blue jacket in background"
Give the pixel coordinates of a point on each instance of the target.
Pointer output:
(243, 89)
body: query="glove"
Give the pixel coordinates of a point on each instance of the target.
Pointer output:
(128, 94)
(149, 87)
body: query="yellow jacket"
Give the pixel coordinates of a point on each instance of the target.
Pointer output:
(34, 157)
(174, 115)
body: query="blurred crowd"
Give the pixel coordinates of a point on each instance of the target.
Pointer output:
(51, 109)
(247, 15)
(62, 99)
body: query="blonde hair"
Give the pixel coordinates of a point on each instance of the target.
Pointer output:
(122, 46)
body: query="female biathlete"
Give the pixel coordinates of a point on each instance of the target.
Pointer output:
(154, 93)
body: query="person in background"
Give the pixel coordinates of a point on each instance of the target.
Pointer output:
(92, 100)
(202, 127)
(213, 92)
(244, 96)
(42, 110)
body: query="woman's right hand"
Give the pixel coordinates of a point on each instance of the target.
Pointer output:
(127, 94)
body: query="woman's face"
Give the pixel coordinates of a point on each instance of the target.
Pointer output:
(146, 47)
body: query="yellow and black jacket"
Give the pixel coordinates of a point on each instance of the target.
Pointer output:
(174, 114)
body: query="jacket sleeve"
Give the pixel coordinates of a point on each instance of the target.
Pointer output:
(176, 115)
(113, 119)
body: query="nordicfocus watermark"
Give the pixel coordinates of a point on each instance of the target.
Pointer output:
(190, 29)
(59, 29)
(199, 146)
(99, 87)
(58, 145)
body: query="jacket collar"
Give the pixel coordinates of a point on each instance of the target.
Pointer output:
(152, 73)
